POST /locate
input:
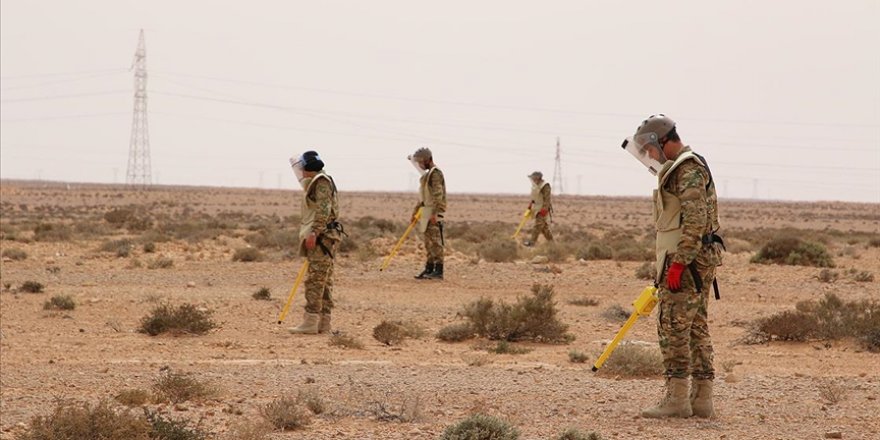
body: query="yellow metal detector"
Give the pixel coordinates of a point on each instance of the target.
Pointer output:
(643, 306)
(299, 279)
(397, 246)
(522, 222)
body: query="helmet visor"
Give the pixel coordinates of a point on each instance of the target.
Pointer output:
(418, 164)
(646, 149)
(298, 164)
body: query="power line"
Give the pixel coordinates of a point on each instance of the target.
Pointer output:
(62, 81)
(44, 75)
(68, 96)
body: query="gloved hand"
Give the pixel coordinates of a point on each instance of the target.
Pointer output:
(673, 276)
(543, 212)
(311, 241)
(530, 204)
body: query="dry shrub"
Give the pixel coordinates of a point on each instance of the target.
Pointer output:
(577, 357)
(160, 263)
(456, 332)
(595, 251)
(149, 247)
(738, 246)
(556, 251)
(647, 271)
(60, 302)
(133, 397)
(793, 251)
(121, 248)
(263, 294)
(31, 287)
(616, 313)
(286, 413)
(14, 254)
(481, 427)
(52, 232)
(118, 216)
(504, 347)
(313, 401)
(827, 276)
(874, 242)
(829, 318)
(184, 319)
(833, 393)
(499, 250)
(181, 387)
(249, 430)
(82, 421)
(575, 434)
(394, 332)
(476, 360)
(863, 277)
(279, 239)
(584, 302)
(345, 341)
(247, 255)
(634, 360)
(531, 318)
(171, 429)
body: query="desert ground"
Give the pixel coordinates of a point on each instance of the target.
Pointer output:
(414, 389)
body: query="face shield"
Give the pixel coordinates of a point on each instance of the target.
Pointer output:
(646, 148)
(418, 164)
(298, 163)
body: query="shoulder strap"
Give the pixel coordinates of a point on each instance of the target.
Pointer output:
(706, 166)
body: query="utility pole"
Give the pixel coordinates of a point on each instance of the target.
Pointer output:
(139, 146)
(557, 170)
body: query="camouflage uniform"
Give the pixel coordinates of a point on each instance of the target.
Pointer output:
(541, 199)
(432, 202)
(683, 328)
(320, 207)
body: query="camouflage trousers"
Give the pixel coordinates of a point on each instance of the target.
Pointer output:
(319, 279)
(433, 244)
(683, 327)
(541, 227)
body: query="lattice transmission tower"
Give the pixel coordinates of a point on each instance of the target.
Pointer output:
(139, 146)
(557, 170)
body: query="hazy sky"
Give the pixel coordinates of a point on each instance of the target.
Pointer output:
(782, 97)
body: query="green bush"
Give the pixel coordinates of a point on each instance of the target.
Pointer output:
(794, 252)
(481, 427)
(169, 429)
(60, 302)
(14, 254)
(32, 287)
(531, 318)
(456, 332)
(574, 434)
(180, 387)
(184, 319)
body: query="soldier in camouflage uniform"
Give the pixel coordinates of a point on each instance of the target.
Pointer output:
(540, 207)
(319, 235)
(432, 201)
(688, 251)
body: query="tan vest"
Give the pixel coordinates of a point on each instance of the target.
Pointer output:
(427, 200)
(537, 197)
(667, 212)
(309, 207)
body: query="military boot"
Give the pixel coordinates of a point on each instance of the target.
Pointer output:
(701, 398)
(675, 404)
(324, 323)
(429, 268)
(309, 325)
(437, 273)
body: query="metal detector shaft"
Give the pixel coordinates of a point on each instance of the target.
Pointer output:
(397, 246)
(299, 279)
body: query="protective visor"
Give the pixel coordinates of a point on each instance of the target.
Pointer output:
(646, 149)
(297, 163)
(418, 164)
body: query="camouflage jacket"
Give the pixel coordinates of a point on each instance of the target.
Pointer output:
(690, 182)
(322, 199)
(436, 186)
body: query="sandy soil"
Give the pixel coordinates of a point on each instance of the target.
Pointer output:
(94, 351)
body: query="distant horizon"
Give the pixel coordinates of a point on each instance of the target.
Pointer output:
(126, 186)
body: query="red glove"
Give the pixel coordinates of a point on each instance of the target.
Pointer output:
(673, 276)
(311, 241)
(543, 212)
